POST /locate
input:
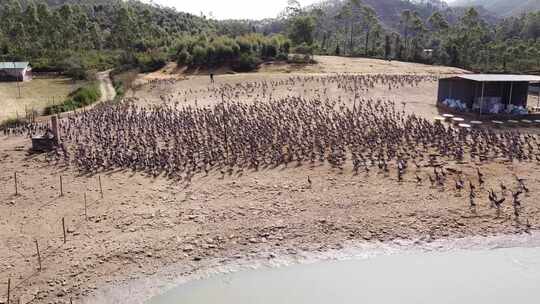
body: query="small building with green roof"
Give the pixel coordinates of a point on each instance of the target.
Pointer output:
(15, 71)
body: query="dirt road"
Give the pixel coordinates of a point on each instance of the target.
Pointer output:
(108, 92)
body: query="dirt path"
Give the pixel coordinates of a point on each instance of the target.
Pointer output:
(108, 92)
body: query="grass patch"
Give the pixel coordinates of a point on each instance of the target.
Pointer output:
(36, 95)
(81, 97)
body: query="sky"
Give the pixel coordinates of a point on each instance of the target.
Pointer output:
(232, 9)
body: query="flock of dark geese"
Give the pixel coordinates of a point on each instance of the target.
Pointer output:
(180, 140)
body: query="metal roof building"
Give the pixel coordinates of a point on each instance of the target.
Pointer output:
(15, 71)
(486, 93)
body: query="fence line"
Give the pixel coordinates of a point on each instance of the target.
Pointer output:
(43, 255)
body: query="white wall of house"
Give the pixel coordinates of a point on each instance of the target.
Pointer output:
(27, 74)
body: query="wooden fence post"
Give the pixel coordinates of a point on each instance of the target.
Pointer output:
(100, 187)
(61, 187)
(38, 255)
(64, 229)
(85, 208)
(16, 187)
(8, 289)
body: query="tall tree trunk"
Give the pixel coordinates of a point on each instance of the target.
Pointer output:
(406, 41)
(367, 43)
(351, 45)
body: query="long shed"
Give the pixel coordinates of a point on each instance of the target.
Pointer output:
(485, 92)
(15, 71)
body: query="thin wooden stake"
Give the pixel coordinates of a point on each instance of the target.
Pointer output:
(100, 187)
(16, 187)
(8, 289)
(85, 209)
(64, 229)
(61, 187)
(38, 255)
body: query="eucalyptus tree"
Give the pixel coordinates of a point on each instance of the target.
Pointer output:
(370, 23)
(349, 16)
(412, 28)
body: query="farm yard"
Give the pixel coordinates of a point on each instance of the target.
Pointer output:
(189, 174)
(34, 95)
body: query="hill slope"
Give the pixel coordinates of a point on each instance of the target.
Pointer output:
(167, 18)
(389, 11)
(502, 7)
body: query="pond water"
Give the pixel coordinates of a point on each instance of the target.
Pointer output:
(505, 275)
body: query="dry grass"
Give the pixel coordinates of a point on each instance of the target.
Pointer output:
(333, 64)
(35, 94)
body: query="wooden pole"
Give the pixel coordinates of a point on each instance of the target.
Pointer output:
(18, 84)
(100, 187)
(8, 289)
(64, 229)
(511, 92)
(482, 100)
(16, 187)
(61, 187)
(85, 208)
(38, 254)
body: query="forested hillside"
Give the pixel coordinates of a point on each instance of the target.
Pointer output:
(95, 34)
(502, 7)
(457, 37)
(100, 34)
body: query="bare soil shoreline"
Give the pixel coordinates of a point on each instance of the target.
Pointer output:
(141, 290)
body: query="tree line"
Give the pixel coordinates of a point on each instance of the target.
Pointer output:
(103, 34)
(468, 41)
(98, 35)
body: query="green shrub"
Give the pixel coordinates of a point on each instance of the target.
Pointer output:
(242, 53)
(150, 62)
(246, 63)
(81, 97)
(282, 57)
(303, 49)
(119, 88)
(184, 58)
(199, 55)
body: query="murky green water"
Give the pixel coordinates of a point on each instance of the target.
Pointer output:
(510, 275)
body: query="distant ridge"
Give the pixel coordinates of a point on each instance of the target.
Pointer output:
(502, 8)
